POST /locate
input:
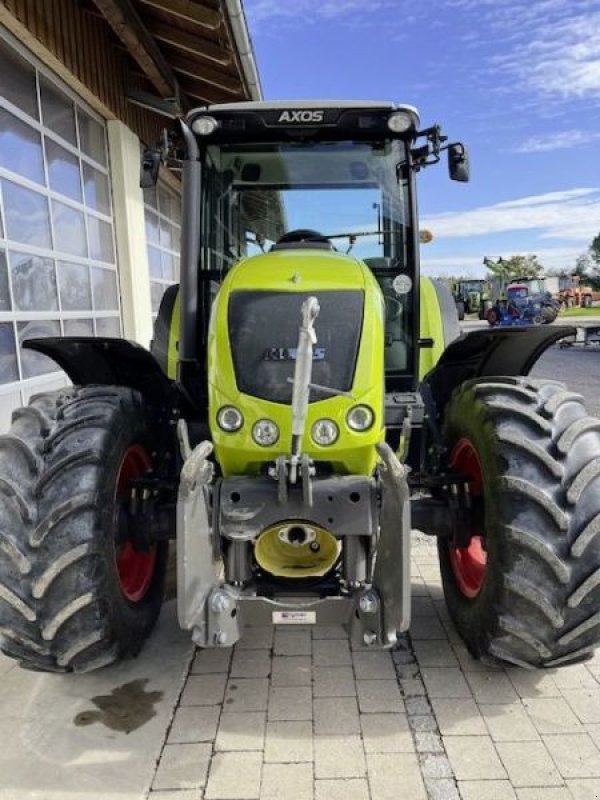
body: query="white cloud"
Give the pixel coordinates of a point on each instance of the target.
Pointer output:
(310, 11)
(570, 215)
(548, 51)
(565, 59)
(562, 140)
(472, 265)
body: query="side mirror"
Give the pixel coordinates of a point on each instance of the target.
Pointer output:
(458, 162)
(150, 166)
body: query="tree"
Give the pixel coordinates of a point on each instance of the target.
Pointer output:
(516, 266)
(595, 251)
(583, 264)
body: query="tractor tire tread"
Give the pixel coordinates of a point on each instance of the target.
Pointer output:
(59, 608)
(538, 449)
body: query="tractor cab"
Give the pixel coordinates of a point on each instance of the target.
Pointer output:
(334, 179)
(288, 196)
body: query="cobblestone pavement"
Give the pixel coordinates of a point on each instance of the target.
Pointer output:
(295, 713)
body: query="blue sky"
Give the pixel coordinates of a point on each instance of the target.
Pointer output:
(518, 82)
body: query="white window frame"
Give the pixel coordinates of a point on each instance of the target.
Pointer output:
(56, 378)
(164, 282)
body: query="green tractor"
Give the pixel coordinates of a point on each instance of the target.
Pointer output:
(472, 297)
(307, 401)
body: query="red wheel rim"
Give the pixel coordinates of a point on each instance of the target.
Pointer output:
(135, 567)
(469, 563)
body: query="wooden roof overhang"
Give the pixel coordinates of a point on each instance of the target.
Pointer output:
(191, 52)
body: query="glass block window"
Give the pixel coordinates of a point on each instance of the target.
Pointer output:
(58, 274)
(162, 214)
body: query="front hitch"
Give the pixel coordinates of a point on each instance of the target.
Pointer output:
(384, 611)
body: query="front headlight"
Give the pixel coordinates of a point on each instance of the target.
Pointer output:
(324, 432)
(265, 432)
(360, 418)
(229, 419)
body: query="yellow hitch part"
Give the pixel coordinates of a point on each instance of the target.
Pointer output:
(296, 550)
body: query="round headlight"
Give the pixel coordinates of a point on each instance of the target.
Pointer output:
(400, 122)
(360, 418)
(265, 432)
(204, 126)
(230, 419)
(324, 432)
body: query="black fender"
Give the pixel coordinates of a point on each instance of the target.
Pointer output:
(108, 362)
(484, 353)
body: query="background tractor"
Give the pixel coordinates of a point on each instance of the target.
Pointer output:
(527, 301)
(472, 297)
(307, 401)
(572, 292)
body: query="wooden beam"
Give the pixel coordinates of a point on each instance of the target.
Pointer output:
(125, 22)
(189, 11)
(200, 88)
(207, 95)
(190, 68)
(188, 43)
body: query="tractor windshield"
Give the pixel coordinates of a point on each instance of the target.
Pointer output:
(256, 193)
(353, 193)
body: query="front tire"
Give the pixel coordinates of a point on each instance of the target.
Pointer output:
(529, 595)
(74, 593)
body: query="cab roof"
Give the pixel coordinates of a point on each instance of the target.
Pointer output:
(284, 105)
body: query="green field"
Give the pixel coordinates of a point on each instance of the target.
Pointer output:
(594, 311)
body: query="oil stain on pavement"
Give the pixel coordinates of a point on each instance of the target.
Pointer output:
(125, 709)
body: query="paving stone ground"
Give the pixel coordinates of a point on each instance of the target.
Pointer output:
(295, 713)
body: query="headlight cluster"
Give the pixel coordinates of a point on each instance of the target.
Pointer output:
(264, 432)
(400, 122)
(204, 126)
(324, 432)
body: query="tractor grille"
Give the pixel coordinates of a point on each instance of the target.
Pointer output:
(263, 332)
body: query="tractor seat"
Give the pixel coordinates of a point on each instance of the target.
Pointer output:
(302, 238)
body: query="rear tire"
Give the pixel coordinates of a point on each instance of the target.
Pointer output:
(538, 604)
(586, 301)
(549, 314)
(73, 597)
(485, 306)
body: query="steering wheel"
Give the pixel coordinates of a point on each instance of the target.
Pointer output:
(302, 235)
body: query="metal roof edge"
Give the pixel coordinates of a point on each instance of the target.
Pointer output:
(243, 42)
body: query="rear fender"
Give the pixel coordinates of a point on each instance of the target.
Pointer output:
(109, 362)
(439, 322)
(484, 353)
